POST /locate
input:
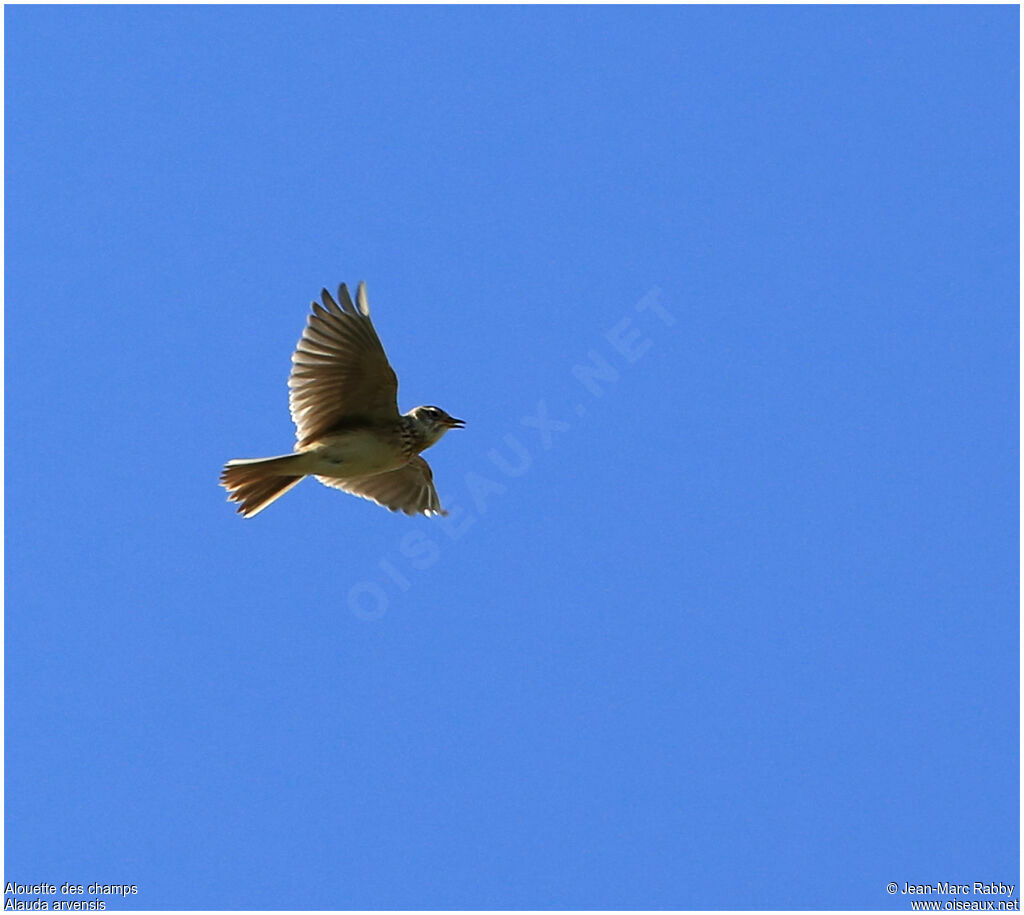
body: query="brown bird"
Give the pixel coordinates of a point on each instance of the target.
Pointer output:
(349, 433)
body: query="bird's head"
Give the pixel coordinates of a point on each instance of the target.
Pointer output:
(433, 422)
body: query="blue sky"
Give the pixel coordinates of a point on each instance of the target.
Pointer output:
(733, 625)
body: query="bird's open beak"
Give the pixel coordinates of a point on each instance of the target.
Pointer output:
(454, 423)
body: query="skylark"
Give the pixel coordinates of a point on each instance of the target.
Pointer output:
(349, 433)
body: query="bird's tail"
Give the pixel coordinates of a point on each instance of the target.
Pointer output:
(254, 484)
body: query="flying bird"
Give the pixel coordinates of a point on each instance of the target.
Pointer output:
(343, 396)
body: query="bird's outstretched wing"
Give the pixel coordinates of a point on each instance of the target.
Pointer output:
(340, 372)
(409, 489)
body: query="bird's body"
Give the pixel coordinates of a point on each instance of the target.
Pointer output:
(358, 452)
(349, 431)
